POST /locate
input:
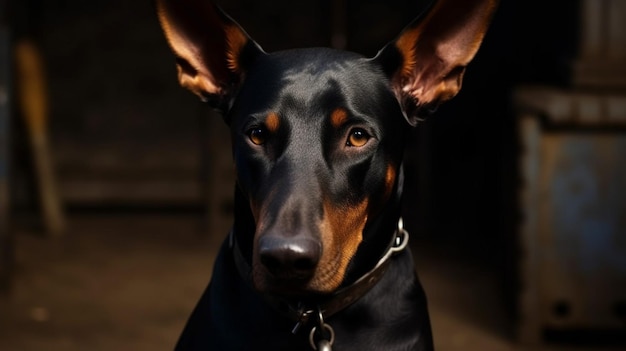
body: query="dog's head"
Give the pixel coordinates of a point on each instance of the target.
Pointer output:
(318, 133)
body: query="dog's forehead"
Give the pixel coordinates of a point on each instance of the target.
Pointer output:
(313, 63)
(316, 80)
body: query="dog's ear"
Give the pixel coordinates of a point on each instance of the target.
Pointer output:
(212, 50)
(427, 61)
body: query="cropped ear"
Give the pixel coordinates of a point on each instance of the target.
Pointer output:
(212, 50)
(427, 61)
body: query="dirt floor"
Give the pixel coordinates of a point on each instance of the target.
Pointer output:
(128, 282)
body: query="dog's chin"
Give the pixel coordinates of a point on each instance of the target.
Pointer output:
(293, 287)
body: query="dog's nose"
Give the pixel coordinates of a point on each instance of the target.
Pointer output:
(291, 257)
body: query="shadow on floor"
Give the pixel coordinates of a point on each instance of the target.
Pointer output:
(129, 282)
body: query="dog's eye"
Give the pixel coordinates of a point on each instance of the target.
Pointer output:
(358, 137)
(258, 135)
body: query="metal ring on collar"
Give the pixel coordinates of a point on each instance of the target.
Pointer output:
(330, 331)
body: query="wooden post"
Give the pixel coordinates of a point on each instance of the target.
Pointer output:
(6, 239)
(33, 102)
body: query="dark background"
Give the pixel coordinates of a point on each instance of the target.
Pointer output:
(119, 120)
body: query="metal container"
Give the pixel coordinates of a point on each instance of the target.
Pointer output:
(573, 201)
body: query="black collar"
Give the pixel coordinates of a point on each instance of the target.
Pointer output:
(300, 313)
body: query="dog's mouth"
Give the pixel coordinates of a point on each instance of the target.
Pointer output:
(294, 287)
(294, 283)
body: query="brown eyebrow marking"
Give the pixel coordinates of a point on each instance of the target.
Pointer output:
(272, 122)
(338, 117)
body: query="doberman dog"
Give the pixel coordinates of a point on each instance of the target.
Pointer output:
(316, 258)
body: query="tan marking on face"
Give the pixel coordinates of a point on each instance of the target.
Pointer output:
(235, 41)
(272, 122)
(390, 180)
(342, 232)
(338, 117)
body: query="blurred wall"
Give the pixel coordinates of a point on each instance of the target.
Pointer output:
(124, 132)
